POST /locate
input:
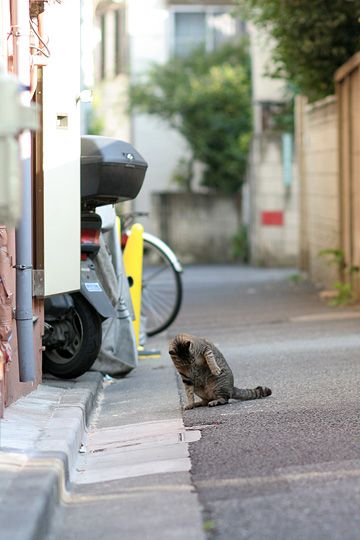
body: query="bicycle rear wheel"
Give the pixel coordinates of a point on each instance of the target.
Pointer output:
(161, 286)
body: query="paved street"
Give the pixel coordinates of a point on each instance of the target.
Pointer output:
(285, 468)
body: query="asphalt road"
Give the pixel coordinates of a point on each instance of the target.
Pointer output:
(283, 468)
(286, 467)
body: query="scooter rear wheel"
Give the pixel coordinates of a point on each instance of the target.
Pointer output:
(77, 357)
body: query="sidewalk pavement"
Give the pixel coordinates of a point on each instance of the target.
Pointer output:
(53, 467)
(133, 478)
(40, 437)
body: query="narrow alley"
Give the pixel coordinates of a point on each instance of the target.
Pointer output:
(138, 139)
(285, 467)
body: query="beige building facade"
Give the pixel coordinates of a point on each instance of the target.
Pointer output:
(318, 161)
(271, 190)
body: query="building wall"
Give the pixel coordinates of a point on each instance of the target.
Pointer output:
(270, 200)
(161, 146)
(273, 205)
(11, 388)
(319, 185)
(151, 32)
(264, 89)
(200, 227)
(112, 100)
(110, 104)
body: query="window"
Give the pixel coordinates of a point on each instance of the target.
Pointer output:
(275, 116)
(209, 26)
(190, 32)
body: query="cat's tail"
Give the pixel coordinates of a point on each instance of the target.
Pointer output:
(251, 393)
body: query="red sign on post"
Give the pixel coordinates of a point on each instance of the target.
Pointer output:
(272, 218)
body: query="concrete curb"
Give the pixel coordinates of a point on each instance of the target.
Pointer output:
(40, 439)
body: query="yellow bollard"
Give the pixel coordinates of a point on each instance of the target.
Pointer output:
(133, 261)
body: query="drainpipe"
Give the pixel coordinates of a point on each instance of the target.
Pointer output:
(24, 313)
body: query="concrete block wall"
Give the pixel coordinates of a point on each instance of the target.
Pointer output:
(199, 227)
(319, 180)
(271, 244)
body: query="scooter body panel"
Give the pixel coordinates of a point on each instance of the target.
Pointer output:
(92, 290)
(57, 305)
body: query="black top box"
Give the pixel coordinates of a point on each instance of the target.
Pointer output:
(111, 170)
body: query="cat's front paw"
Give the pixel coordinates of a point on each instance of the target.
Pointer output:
(188, 407)
(216, 402)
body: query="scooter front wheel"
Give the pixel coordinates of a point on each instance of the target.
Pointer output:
(80, 351)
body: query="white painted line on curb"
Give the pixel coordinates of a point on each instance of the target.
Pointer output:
(135, 450)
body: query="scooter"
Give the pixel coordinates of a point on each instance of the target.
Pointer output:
(111, 171)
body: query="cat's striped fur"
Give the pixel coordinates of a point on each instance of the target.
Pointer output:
(205, 372)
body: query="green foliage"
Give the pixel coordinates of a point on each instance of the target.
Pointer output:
(337, 257)
(312, 38)
(284, 120)
(296, 278)
(207, 98)
(95, 122)
(96, 125)
(240, 245)
(209, 525)
(345, 294)
(183, 173)
(344, 288)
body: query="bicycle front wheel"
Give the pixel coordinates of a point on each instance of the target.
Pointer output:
(161, 286)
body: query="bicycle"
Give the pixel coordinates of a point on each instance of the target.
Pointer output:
(162, 289)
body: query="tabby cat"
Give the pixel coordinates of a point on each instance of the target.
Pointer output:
(205, 372)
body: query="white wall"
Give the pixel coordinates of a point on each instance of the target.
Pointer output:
(264, 87)
(149, 30)
(62, 149)
(265, 190)
(148, 27)
(161, 148)
(272, 244)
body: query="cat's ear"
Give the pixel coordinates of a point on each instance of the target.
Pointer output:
(187, 344)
